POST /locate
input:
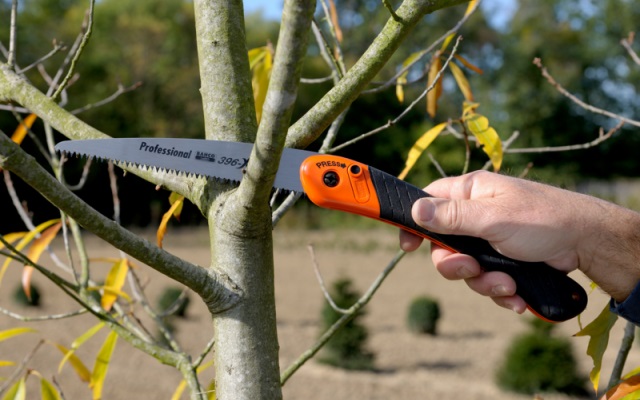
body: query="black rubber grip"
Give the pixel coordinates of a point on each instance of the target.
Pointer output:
(547, 291)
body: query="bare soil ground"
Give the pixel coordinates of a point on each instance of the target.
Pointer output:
(459, 363)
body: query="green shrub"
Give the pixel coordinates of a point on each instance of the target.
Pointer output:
(423, 315)
(346, 349)
(538, 362)
(20, 297)
(173, 302)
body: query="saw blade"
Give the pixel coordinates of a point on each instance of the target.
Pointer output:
(216, 159)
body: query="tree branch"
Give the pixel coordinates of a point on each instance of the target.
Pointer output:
(316, 120)
(217, 290)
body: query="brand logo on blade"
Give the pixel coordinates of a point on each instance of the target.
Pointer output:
(325, 164)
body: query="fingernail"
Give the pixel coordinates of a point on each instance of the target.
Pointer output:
(425, 210)
(500, 290)
(464, 272)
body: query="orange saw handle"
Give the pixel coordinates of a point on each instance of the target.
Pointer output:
(342, 184)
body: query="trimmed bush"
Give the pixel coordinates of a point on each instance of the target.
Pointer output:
(346, 349)
(170, 301)
(20, 297)
(538, 362)
(423, 315)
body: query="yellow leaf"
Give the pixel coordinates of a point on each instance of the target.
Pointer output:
(26, 239)
(23, 128)
(17, 392)
(467, 64)
(462, 81)
(101, 365)
(77, 364)
(598, 330)
(176, 205)
(260, 61)
(487, 137)
(114, 282)
(334, 20)
(402, 79)
(434, 94)
(623, 389)
(78, 342)
(34, 253)
(211, 390)
(469, 108)
(470, 7)
(9, 333)
(12, 237)
(48, 391)
(6, 363)
(447, 41)
(420, 146)
(173, 197)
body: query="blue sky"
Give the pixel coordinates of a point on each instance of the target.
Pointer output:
(272, 9)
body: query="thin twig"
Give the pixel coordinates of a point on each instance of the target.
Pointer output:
(119, 92)
(326, 53)
(626, 43)
(207, 349)
(51, 317)
(337, 50)
(602, 136)
(437, 165)
(20, 369)
(388, 6)
(323, 287)
(579, 102)
(317, 80)
(83, 178)
(406, 111)
(623, 353)
(56, 48)
(76, 56)
(309, 353)
(11, 57)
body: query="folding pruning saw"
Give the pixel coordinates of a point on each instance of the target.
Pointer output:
(342, 184)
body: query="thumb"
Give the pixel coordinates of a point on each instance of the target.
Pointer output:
(449, 216)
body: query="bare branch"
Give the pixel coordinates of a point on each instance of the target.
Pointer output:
(11, 57)
(406, 110)
(602, 136)
(623, 352)
(626, 43)
(83, 177)
(51, 317)
(323, 287)
(85, 39)
(579, 102)
(20, 369)
(121, 90)
(56, 48)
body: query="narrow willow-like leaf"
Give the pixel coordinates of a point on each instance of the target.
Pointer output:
(18, 391)
(81, 370)
(333, 11)
(468, 64)
(420, 146)
(434, 94)
(629, 389)
(35, 251)
(176, 207)
(4, 363)
(114, 282)
(260, 61)
(101, 365)
(48, 391)
(23, 128)
(79, 342)
(470, 7)
(487, 137)
(462, 81)
(447, 41)
(9, 333)
(598, 332)
(402, 79)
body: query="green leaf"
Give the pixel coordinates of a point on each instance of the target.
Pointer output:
(598, 331)
(17, 392)
(9, 333)
(48, 391)
(101, 365)
(420, 146)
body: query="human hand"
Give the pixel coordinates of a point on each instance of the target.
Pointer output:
(527, 221)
